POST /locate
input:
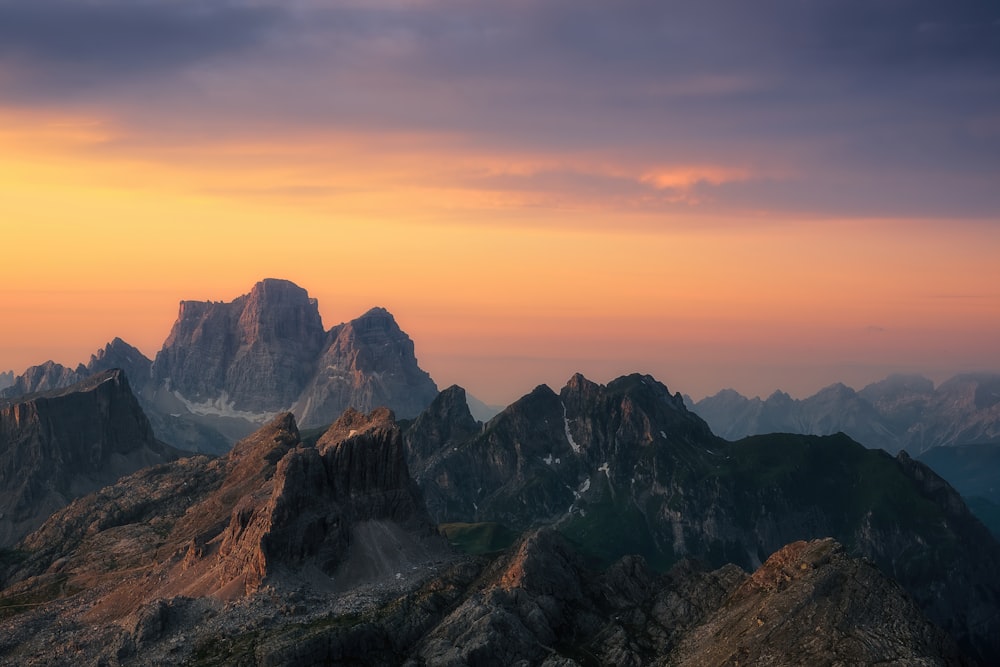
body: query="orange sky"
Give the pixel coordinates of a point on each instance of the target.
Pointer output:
(522, 220)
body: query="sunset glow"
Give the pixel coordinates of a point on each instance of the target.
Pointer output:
(526, 207)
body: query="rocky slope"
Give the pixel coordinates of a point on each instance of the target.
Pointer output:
(6, 379)
(810, 604)
(627, 468)
(900, 412)
(537, 604)
(56, 446)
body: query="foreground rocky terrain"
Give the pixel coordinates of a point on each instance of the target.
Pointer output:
(289, 553)
(603, 524)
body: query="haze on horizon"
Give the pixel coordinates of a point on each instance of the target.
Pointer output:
(776, 195)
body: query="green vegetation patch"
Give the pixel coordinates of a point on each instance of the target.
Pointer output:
(43, 593)
(608, 530)
(478, 538)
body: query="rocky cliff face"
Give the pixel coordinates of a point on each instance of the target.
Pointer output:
(900, 412)
(366, 363)
(267, 351)
(6, 379)
(60, 445)
(255, 353)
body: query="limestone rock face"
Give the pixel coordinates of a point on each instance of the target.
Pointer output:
(271, 507)
(366, 363)
(63, 444)
(356, 474)
(267, 352)
(258, 349)
(445, 423)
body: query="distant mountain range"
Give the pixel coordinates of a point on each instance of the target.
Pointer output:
(226, 368)
(901, 412)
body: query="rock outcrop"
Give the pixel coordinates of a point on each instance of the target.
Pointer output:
(59, 445)
(808, 604)
(365, 363)
(271, 507)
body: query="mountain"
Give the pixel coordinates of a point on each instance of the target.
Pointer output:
(900, 412)
(365, 363)
(267, 351)
(974, 471)
(50, 375)
(626, 468)
(6, 379)
(254, 354)
(226, 368)
(56, 446)
(286, 553)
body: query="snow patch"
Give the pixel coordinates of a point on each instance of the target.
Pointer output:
(585, 486)
(548, 459)
(606, 469)
(223, 407)
(569, 436)
(663, 434)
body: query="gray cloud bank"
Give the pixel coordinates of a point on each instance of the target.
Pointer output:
(859, 107)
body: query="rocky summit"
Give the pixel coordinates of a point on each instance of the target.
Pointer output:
(58, 445)
(267, 351)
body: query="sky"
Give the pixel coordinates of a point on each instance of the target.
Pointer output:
(777, 194)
